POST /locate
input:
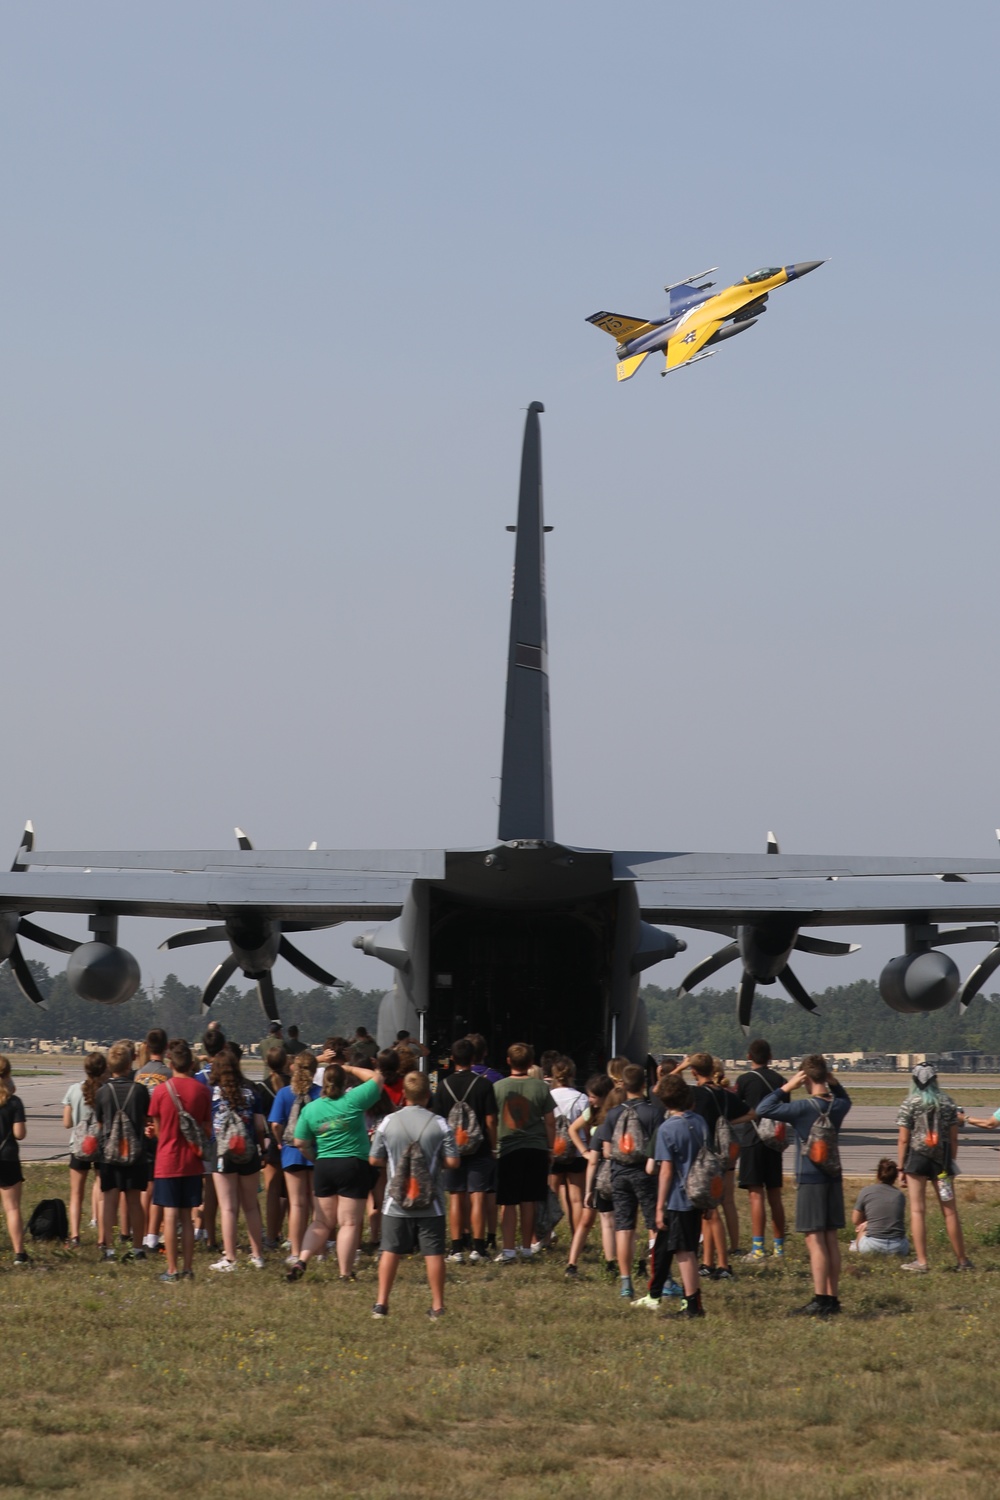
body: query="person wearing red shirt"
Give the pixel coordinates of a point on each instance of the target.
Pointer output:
(177, 1187)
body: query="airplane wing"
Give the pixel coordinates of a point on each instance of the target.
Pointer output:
(684, 346)
(816, 903)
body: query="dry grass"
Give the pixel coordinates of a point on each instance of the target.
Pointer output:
(116, 1386)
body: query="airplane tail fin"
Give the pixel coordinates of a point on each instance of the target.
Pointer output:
(628, 367)
(526, 773)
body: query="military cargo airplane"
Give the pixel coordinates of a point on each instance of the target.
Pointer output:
(695, 322)
(524, 937)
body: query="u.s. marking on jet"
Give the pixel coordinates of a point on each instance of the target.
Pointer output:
(696, 319)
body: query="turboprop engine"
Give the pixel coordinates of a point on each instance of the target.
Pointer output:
(100, 970)
(917, 982)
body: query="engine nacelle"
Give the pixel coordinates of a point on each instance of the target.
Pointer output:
(766, 949)
(255, 942)
(917, 982)
(102, 972)
(8, 932)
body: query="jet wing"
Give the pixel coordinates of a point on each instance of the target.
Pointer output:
(717, 905)
(684, 866)
(685, 345)
(320, 886)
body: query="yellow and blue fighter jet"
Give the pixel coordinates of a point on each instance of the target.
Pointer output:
(695, 321)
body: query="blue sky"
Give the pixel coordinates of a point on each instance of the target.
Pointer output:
(278, 284)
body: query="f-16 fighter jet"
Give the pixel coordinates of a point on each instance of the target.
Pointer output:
(696, 319)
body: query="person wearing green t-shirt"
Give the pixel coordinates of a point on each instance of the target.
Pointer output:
(332, 1131)
(526, 1134)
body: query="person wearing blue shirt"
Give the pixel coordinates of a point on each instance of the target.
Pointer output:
(297, 1168)
(819, 1201)
(678, 1222)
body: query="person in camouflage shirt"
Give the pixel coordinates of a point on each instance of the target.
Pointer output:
(928, 1123)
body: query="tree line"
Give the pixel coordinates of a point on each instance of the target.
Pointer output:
(851, 1017)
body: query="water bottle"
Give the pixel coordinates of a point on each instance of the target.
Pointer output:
(946, 1189)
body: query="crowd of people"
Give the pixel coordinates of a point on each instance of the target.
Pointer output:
(481, 1166)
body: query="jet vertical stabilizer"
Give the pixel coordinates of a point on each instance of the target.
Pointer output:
(526, 773)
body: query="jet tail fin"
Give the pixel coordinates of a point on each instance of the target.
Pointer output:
(628, 367)
(618, 325)
(526, 773)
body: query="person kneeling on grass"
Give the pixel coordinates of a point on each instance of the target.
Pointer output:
(879, 1215)
(819, 1202)
(416, 1144)
(178, 1180)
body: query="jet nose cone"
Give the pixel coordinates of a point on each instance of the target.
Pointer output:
(803, 267)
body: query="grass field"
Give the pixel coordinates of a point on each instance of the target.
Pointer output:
(117, 1386)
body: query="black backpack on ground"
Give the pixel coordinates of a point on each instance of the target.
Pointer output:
(49, 1221)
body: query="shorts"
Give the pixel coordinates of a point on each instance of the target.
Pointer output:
(683, 1229)
(474, 1174)
(405, 1236)
(632, 1189)
(10, 1173)
(177, 1192)
(869, 1245)
(300, 1166)
(575, 1166)
(919, 1165)
(604, 1203)
(760, 1167)
(522, 1177)
(227, 1167)
(82, 1163)
(819, 1206)
(343, 1177)
(116, 1179)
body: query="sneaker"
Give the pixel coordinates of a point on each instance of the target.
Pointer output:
(920, 1266)
(572, 1272)
(169, 1277)
(22, 1258)
(295, 1271)
(505, 1258)
(93, 1224)
(652, 1303)
(813, 1309)
(187, 1275)
(456, 1258)
(223, 1265)
(131, 1255)
(257, 1261)
(531, 1252)
(778, 1252)
(380, 1310)
(723, 1273)
(755, 1257)
(200, 1235)
(350, 1277)
(832, 1308)
(435, 1313)
(291, 1260)
(108, 1254)
(73, 1243)
(965, 1265)
(475, 1257)
(704, 1270)
(627, 1291)
(690, 1309)
(672, 1288)
(271, 1244)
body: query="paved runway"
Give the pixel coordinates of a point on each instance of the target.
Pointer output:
(870, 1132)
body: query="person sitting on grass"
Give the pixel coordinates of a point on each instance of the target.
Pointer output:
(879, 1215)
(819, 1201)
(420, 1229)
(12, 1130)
(179, 1167)
(928, 1145)
(78, 1109)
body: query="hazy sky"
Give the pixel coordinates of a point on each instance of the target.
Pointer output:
(278, 282)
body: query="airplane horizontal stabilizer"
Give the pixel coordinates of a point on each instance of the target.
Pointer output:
(628, 367)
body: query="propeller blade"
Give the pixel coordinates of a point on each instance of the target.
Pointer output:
(797, 990)
(242, 839)
(744, 1004)
(824, 946)
(25, 979)
(36, 934)
(27, 844)
(772, 844)
(196, 935)
(970, 989)
(221, 975)
(268, 999)
(305, 965)
(707, 967)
